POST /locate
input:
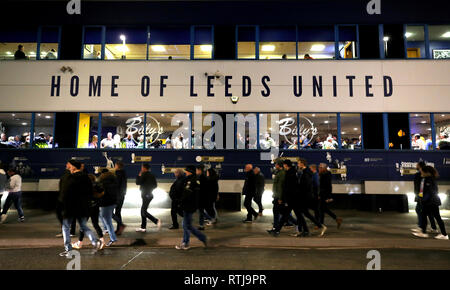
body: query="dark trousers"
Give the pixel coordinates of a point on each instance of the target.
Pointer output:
(258, 200)
(248, 206)
(419, 216)
(175, 210)
(16, 199)
(117, 216)
(93, 214)
(277, 212)
(304, 210)
(144, 213)
(286, 212)
(59, 210)
(433, 211)
(323, 209)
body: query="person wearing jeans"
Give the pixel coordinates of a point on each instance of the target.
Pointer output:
(14, 196)
(189, 204)
(147, 183)
(108, 202)
(84, 229)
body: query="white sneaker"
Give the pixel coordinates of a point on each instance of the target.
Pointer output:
(140, 230)
(3, 218)
(158, 224)
(77, 245)
(182, 247)
(441, 237)
(323, 230)
(416, 230)
(421, 235)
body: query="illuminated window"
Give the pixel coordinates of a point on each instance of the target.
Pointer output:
(318, 131)
(348, 42)
(415, 41)
(49, 45)
(15, 130)
(420, 128)
(246, 42)
(442, 127)
(121, 130)
(87, 130)
(92, 43)
(11, 39)
(316, 42)
(168, 131)
(170, 43)
(126, 43)
(203, 42)
(351, 131)
(277, 43)
(439, 41)
(43, 130)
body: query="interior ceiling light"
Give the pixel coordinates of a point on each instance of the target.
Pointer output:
(268, 47)
(408, 34)
(446, 35)
(317, 47)
(158, 48)
(386, 38)
(206, 48)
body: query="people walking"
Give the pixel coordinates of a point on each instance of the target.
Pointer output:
(175, 193)
(121, 176)
(325, 195)
(306, 194)
(59, 202)
(203, 195)
(94, 213)
(189, 204)
(147, 183)
(3, 180)
(314, 203)
(430, 200)
(212, 189)
(75, 205)
(417, 199)
(14, 188)
(249, 191)
(277, 189)
(260, 184)
(108, 202)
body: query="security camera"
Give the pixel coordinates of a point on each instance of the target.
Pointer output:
(234, 99)
(218, 75)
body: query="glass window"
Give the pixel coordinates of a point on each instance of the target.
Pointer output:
(442, 127)
(393, 40)
(439, 41)
(121, 130)
(399, 128)
(203, 42)
(126, 43)
(277, 43)
(170, 43)
(168, 131)
(420, 129)
(288, 130)
(49, 46)
(43, 130)
(415, 41)
(246, 131)
(318, 131)
(351, 131)
(246, 42)
(15, 130)
(348, 42)
(316, 42)
(87, 130)
(12, 38)
(92, 43)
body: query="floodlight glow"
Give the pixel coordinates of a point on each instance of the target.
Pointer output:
(268, 47)
(317, 47)
(122, 37)
(206, 48)
(386, 38)
(158, 48)
(408, 34)
(446, 35)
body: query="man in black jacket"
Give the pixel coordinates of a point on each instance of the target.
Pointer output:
(121, 176)
(147, 183)
(249, 191)
(175, 193)
(325, 197)
(306, 193)
(290, 201)
(259, 183)
(75, 205)
(203, 195)
(59, 202)
(419, 205)
(189, 204)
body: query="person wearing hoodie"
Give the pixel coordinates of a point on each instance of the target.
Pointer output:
(108, 202)
(189, 205)
(428, 194)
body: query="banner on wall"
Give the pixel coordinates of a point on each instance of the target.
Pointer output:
(226, 86)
